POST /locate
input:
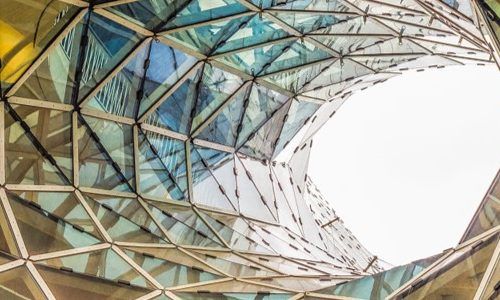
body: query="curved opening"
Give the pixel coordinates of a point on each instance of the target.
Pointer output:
(407, 162)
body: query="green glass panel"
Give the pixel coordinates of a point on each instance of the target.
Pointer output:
(23, 41)
(68, 285)
(44, 232)
(170, 274)
(120, 228)
(24, 164)
(105, 264)
(63, 205)
(18, 284)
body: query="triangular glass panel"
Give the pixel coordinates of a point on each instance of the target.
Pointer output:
(254, 61)
(119, 95)
(120, 228)
(215, 87)
(252, 203)
(151, 14)
(166, 65)
(224, 128)
(18, 283)
(175, 112)
(309, 21)
(24, 161)
(106, 264)
(129, 208)
(298, 114)
(65, 284)
(155, 180)
(21, 46)
(173, 255)
(97, 169)
(52, 128)
(262, 142)
(108, 44)
(262, 104)
(379, 63)
(205, 39)
(232, 264)
(234, 286)
(206, 189)
(255, 31)
(299, 53)
(45, 232)
(168, 273)
(202, 295)
(204, 10)
(63, 205)
(330, 5)
(221, 166)
(184, 226)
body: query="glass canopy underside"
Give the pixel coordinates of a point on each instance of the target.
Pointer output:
(158, 149)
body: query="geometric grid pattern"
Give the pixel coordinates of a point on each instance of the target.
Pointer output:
(158, 149)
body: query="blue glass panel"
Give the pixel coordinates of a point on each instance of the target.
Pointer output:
(306, 22)
(255, 31)
(166, 66)
(108, 43)
(175, 112)
(223, 129)
(203, 10)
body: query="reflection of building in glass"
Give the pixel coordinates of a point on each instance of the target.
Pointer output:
(157, 149)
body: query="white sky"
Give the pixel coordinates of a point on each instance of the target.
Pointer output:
(406, 163)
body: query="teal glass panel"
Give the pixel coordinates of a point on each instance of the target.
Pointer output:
(175, 112)
(215, 87)
(166, 65)
(204, 10)
(156, 179)
(232, 296)
(206, 38)
(120, 228)
(106, 264)
(299, 53)
(298, 114)
(330, 5)
(252, 32)
(119, 95)
(44, 232)
(108, 43)
(152, 14)
(262, 104)
(118, 141)
(224, 129)
(168, 273)
(254, 61)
